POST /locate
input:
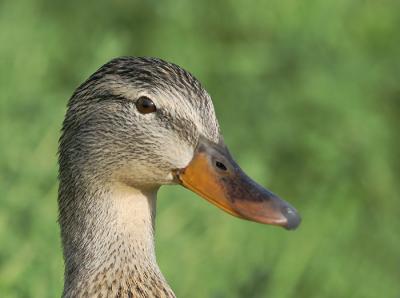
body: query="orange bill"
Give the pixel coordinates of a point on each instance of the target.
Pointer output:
(215, 176)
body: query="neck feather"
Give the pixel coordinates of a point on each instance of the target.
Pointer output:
(108, 239)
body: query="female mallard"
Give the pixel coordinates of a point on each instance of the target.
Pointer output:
(134, 125)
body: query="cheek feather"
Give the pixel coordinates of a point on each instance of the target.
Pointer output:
(175, 151)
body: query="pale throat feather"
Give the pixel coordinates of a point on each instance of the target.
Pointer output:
(118, 254)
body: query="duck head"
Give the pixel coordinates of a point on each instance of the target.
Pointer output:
(145, 123)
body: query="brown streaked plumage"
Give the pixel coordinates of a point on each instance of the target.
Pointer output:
(113, 157)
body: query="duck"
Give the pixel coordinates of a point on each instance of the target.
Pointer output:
(134, 125)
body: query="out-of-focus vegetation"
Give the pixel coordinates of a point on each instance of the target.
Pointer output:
(307, 94)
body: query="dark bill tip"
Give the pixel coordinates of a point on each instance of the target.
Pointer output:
(293, 219)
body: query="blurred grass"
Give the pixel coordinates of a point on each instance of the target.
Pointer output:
(307, 95)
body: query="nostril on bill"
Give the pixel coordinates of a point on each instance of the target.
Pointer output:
(220, 166)
(292, 217)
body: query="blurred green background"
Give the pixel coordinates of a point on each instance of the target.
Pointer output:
(307, 94)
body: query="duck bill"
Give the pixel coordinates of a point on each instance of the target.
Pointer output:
(215, 176)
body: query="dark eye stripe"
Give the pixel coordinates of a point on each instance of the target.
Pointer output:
(186, 129)
(145, 105)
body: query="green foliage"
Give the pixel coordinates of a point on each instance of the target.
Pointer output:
(307, 95)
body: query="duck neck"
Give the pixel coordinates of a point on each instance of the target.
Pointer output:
(109, 243)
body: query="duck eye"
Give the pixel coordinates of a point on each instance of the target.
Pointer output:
(145, 105)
